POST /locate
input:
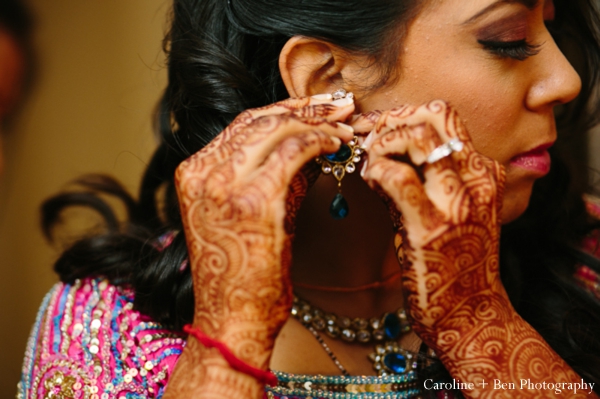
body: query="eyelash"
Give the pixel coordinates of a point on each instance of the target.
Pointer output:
(518, 50)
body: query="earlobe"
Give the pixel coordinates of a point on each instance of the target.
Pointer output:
(310, 66)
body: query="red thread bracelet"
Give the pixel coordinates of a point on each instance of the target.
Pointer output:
(264, 377)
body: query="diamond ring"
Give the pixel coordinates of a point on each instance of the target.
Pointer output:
(454, 145)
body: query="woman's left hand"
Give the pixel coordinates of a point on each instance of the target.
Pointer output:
(448, 218)
(450, 208)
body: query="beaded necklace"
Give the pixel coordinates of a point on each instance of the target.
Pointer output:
(299, 386)
(388, 357)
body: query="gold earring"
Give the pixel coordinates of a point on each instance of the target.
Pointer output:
(339, 163)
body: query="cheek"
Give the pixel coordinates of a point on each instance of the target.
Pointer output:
(489, 103)
(491, 121)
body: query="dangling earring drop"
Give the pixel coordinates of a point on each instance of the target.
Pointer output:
(342, 162)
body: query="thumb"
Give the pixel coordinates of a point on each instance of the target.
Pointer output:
(364, 123)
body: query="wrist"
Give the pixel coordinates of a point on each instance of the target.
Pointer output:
(234, 362)
(203, 372)
(463, 325)
(250, 341)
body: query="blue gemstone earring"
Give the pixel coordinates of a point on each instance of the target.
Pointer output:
(338, 164)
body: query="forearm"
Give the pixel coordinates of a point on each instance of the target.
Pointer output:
(488, 346)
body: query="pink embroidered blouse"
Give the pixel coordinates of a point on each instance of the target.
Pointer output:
(89, 343)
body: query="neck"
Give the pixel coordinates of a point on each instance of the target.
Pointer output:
(353, 252)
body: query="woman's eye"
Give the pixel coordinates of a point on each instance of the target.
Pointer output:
(518, 50)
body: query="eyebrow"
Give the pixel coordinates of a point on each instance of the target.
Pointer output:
(530, 4)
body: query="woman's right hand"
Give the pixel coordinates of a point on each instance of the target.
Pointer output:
(234, 198)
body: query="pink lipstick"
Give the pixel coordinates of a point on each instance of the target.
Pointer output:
(536, 160)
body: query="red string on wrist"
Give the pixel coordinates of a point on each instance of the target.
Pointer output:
(265, 377)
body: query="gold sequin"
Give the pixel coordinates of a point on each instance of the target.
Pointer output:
(60, 386)
(373, 388)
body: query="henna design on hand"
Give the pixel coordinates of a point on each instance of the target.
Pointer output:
(451, 213)
(239, 196)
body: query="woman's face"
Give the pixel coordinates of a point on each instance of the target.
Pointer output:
(495, 62)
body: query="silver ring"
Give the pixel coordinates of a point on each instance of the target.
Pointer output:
(454, 145)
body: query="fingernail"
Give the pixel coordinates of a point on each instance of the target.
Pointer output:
(368, 141)
(364, 168)
(347, 128)
(322, 97)
(342, 102)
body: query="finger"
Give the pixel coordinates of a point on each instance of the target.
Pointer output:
(312, 106)
(268, 132)
(447, 191)
(389, 120)
(479, 173)
(278, 108)
(316, 106)
(330, 112)
(235, 136)
(246, 146)
(252, 128)
(236, 133)
(433, 124)
(365, 123)
(402, 184)
(416, 141)
(277, 172)
(433, 116)
(442, 184)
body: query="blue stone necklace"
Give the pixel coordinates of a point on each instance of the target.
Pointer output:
(388, 357)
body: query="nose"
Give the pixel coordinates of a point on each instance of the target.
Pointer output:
(555, 80)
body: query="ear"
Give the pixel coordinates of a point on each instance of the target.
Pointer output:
(309, 66)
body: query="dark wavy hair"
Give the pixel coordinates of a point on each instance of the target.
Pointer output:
(223, 59)
(16, 19)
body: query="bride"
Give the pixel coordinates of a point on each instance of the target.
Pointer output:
(348, 164)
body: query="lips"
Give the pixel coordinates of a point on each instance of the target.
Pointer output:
(536, 160)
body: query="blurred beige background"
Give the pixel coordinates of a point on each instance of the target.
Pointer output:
(101, 71)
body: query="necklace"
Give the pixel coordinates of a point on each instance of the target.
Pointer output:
(388, 357)
(377, 284)
(328, 350)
